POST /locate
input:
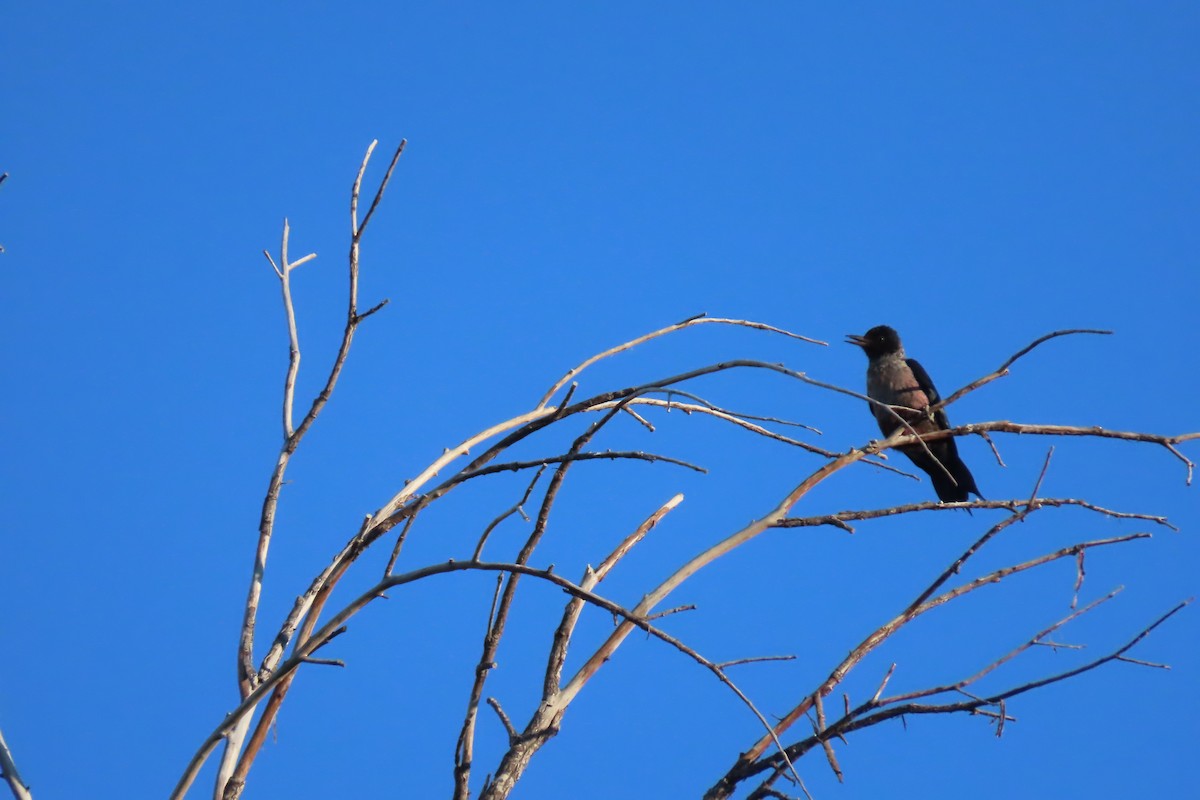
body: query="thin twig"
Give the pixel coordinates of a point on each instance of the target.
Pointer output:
(995, 451)
(642, 420)
(740, 415)
(883, 683)
(516, 508)
(687, 323)
(671, 611)
(329, 662)
(408, 523)
(713, 411)
(1141, 663)
(754, 660)
(1053, 645)
(820, 730)
(612, 455)
(1079, 573)
(1002, 370)
(358, 230)
(504, 720)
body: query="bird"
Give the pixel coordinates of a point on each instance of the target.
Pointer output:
(901, 382)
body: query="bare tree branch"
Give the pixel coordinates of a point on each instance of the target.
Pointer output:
(687, 323)
(611, 455)
(504, 720)
(591, 578)
(247, 677)
(1002, 370)
(672, 393)
(1005, 426)
(8, 766)
(840, 518)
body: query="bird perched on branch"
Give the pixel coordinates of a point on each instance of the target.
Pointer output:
(903, 389)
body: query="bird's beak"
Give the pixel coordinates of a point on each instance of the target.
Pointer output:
(855, 339)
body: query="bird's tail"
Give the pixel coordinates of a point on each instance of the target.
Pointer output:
(963, 484)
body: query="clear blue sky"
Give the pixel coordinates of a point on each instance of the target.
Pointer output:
(973, 174)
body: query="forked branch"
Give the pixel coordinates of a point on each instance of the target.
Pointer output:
(248, 678)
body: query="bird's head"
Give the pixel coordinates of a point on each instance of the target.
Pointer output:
(879, 341)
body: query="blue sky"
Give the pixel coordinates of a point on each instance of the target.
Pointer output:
(575, 176)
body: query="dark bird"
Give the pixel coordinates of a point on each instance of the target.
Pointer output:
(904, 384)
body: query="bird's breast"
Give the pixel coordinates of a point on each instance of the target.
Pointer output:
(891, 381)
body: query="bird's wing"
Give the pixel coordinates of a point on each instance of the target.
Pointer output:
(931, 392)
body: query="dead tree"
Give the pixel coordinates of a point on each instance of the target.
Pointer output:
(266, 667)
